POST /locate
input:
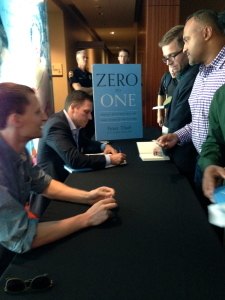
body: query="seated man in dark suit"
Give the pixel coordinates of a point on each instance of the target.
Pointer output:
(64, 143)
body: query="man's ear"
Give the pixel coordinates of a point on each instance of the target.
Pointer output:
(15, 120)
(72, 107)
(207, 32)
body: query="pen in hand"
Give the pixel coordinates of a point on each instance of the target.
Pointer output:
(159, 144)
(120, 149)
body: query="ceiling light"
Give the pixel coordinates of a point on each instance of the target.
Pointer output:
(112, 32)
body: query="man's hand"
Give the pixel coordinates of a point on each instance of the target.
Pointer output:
(213, 176)
(100, 211)
(109, 150)
(160, 118)
(117, 159)
(168, 140)
(99, 194)
(157, 150)
(48, 232)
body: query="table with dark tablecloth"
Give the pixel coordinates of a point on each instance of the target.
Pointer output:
(157, 245)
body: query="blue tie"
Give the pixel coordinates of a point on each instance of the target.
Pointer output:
(75, 133)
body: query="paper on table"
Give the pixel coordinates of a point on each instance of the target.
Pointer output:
(146, 152)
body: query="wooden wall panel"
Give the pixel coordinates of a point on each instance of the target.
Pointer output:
(163, 2)
(141, 51)
(186, 9)
(158, 19)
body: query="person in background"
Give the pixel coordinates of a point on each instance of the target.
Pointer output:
(123, 56)
(81, 79)
(178, 112)
(21, 120)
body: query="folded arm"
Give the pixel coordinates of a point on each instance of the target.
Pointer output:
(48, 232)
(59, 191)
(77, 86)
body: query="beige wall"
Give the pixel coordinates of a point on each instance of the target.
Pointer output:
(57, 51)
(66, 33)
(96, 56)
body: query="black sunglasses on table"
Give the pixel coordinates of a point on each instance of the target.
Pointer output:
(17, 285)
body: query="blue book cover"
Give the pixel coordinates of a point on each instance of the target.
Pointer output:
(219, 194)
(117, 101)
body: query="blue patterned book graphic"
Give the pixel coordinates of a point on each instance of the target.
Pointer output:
(117, 101)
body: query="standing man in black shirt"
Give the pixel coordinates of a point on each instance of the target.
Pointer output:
(81, 79)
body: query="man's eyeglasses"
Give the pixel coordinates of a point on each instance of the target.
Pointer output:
(84, 57)
(17, 285)
(171, 58)
(123, 56)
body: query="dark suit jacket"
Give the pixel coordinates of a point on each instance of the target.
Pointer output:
(57, 147)
(178, 115)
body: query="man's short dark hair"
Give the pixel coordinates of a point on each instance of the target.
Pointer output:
(14, 98)
(77, 97)
(209, 17)
(124, 50)
(175, 32)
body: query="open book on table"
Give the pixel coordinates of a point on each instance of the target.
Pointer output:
(71, 170)
(146, 151)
